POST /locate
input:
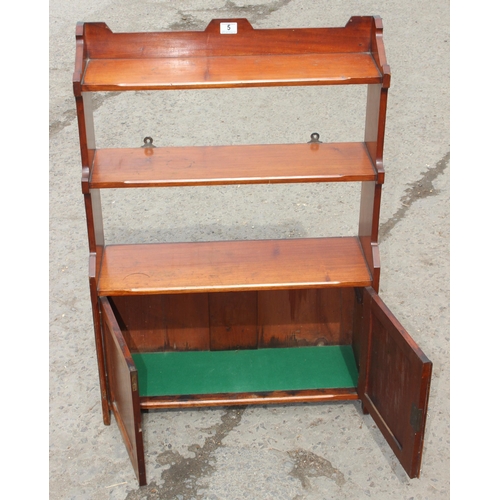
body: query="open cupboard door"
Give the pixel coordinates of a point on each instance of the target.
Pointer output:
(394, 382)
(123, 389)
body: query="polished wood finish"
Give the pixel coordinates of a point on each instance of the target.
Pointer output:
(221, 72)
(93, 211)
(239, 399)
(224, 266)
(210, 165)
(218, 301)
(209, 59)
(369, 212)
(163, 322)
(124, 390)
(396, 388)
(305, 317)
(356, 37)
(235, 320)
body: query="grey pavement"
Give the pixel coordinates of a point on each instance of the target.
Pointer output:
(323, 451)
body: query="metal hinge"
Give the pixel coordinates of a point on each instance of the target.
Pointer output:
(416, 418)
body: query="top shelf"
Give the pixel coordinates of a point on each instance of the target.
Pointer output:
(220, 72)
(108, 61)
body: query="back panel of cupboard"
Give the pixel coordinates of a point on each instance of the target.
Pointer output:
(236, 320)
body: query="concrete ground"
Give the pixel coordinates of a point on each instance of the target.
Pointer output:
(322, 451)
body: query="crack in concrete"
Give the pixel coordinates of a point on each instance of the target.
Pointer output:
(181, 475)
(307, 464)
(70, 114)
(57, 125)
(254, 13)
(420, 189)
(187, 22)
(257, 11)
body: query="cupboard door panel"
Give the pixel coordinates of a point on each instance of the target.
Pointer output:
(123, 389)
(395, 386)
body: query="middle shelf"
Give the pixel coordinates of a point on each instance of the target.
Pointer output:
(225, 165)
(223, 266)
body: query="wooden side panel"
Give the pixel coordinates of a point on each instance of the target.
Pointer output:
(376, 108)
(369, 214)
(233, 320)
(359, 337)
(378, 50)
(396, 384)
(289, 318)
(124, 390)
(99, 340)
(153, 323)
(371, 192)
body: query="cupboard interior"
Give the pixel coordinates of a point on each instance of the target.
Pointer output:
(232, 342)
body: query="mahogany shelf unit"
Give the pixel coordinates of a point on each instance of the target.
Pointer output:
(245, 322)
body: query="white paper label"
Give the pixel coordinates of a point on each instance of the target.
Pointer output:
(228, 28)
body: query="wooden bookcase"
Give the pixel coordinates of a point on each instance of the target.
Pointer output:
(245, 322)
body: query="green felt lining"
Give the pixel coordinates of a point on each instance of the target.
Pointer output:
(259, 370)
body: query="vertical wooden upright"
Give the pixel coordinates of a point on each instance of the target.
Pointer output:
(371, 191)
(92, 201)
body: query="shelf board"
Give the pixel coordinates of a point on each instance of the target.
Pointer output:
(245, 164)
(252, 370)
(172, 73)
(232, 266)
(247, 57)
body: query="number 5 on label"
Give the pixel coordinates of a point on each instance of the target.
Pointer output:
(229, 28)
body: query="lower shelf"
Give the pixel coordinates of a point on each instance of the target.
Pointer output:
(252, 370)
(224, 266)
